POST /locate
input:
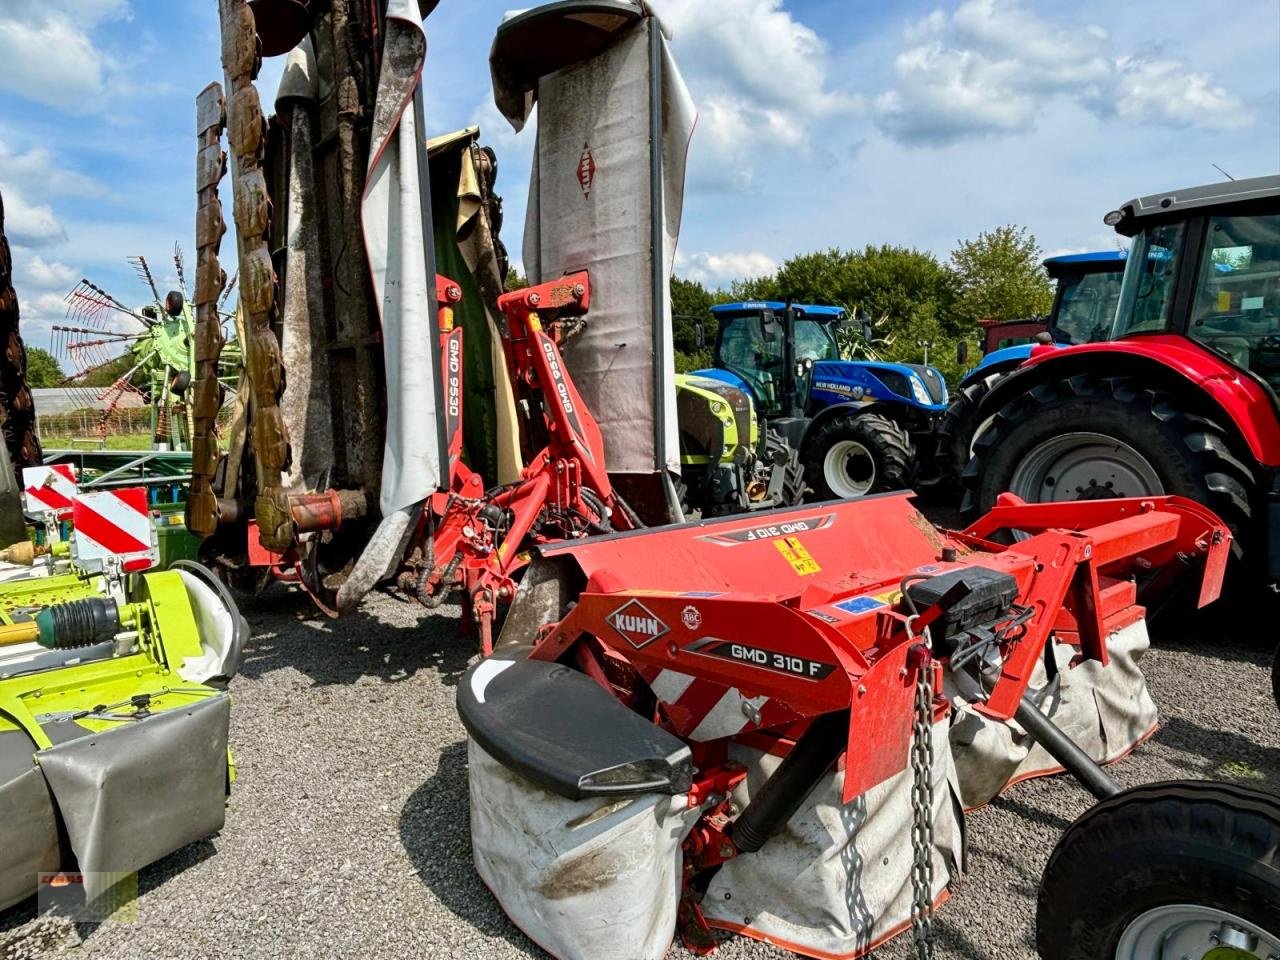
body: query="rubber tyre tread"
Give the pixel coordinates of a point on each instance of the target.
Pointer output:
(889, 444)
(1191, 453)
(1187, 841)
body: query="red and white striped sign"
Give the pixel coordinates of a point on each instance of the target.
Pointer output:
(704, 710)
(49, 488)
(114, 523)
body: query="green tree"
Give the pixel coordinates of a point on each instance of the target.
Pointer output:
(999, 276)
(691, 305)
(516, 280)
(43, 369)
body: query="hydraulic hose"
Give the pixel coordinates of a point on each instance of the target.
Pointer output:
(793, 781)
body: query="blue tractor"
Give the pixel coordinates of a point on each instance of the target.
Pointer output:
(1084, 305)
(856, 424)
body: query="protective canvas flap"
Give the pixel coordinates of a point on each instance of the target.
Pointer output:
(590, 208)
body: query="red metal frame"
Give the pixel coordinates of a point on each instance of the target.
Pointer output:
(478, 540)
(800, 612)
(1245, 401)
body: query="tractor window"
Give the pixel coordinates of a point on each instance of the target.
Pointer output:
(1146, 292)
(1237, 302)
(746, 351)
(1087, 308)
(814, 341)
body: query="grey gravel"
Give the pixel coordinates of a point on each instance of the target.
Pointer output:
(347, 830)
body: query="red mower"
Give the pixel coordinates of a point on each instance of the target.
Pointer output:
(772, 726)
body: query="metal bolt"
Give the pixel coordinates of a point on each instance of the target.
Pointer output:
(862, 690)
(534, 299)
(579, 290)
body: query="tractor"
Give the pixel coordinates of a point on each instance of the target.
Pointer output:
(1182, 397)
(727, 463)
(856, 424)
(1088, 287)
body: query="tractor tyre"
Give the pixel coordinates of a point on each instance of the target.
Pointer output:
(853, 456)
(1180, 869)
(955, 434)
(1088, 438)
(1275, 677)
(777, 451)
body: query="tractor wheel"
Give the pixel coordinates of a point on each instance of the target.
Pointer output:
(857, 455)
(1090, 438)
(1275, 677)
(955, 434)
(1166, 871)
(780, 453)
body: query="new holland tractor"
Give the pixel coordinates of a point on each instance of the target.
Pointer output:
(856, 424)
(1088, 288)
(1181, 399)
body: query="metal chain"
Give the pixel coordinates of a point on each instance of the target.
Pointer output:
(922, 812)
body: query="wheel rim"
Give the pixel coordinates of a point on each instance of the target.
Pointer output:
(1084, 466)
(849, 469)
(1186, 930)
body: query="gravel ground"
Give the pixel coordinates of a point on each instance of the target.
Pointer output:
(347, 836)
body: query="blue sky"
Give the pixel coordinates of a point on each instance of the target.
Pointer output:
(821, 122)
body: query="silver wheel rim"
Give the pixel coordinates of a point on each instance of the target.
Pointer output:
(849, 469)
(1186, 930)
(1083, 466)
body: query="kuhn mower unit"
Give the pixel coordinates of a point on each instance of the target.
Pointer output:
(771, 725)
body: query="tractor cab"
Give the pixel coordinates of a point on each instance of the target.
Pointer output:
(1214, 279)
(774, 357)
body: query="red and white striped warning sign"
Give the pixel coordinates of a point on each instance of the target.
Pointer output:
(49, 488)
(703, 710)
(114, 523)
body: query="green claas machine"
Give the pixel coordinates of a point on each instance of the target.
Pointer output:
(728, 464)
(113, 713)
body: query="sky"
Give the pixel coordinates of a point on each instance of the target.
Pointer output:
(821, 123)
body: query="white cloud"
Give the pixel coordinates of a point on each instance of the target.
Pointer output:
(48, 273)
(760, 80)
(30, 224)
(720, 269)
(990, 67)
(49, 55)
(36, 170)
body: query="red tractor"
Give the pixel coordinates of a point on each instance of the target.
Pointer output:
(1182, 399)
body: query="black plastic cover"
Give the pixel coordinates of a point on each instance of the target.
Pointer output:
(560, 729)
(990, 593)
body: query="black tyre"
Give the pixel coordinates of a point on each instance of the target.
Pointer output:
(856, 455)
(1275, 677)
(1166, 870)
(955, 434)
(779, 453)
(1086, 438)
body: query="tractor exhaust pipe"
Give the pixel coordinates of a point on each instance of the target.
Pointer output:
(1063, 749)
(792, 782)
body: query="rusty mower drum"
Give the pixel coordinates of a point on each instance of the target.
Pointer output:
(773, 725)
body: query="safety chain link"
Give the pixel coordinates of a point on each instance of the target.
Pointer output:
(247, 136)
(211, 166)
(922, 810)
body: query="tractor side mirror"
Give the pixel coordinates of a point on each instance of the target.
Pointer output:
(962, 352)
(772, 327)
(699, 335)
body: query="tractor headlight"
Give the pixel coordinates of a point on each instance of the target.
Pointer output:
(918, 390)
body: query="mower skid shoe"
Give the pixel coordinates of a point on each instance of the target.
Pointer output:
(592, 876)
(836, 881)
(1106, 711)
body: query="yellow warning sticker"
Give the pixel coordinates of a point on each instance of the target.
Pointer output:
(794, 552)
(890, 598)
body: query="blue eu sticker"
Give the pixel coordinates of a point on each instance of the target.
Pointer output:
(860, 604)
